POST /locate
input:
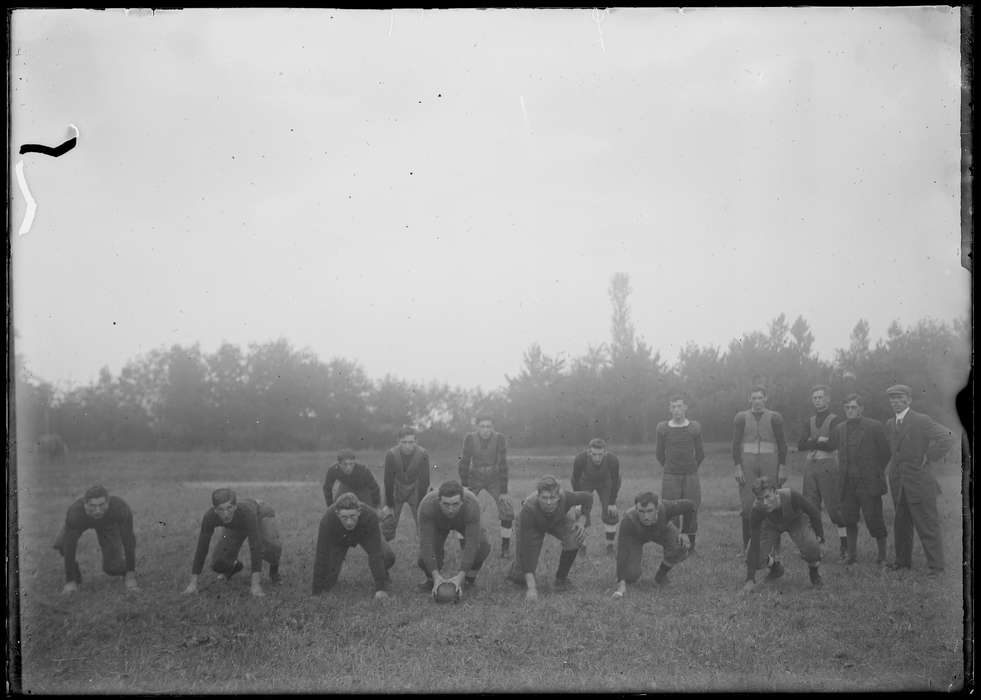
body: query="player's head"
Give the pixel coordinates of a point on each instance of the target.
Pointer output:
(347, 459)
(224, 502)
(900, 397)
(765, 491)
(450, 498)
(820, 397)
(757, 398)
(647, 504)
(597, 450)
(407, 440)
(485, 425)
(853, 406)
(348, 509)
(96, 501)
(549, 493)
(678, 406)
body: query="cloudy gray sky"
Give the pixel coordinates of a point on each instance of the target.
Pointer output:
(429, 192)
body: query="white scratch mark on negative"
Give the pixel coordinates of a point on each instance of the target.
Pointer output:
(28, 221)
(74, 128)
(599, 18)
(524, 111)
(391, 23)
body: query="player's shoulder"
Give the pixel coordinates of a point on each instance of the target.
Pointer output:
(775, 415)
(662, 427)
(694, 426)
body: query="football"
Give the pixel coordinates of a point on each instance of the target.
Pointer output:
(447, 592)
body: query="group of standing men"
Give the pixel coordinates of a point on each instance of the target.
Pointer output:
(844, 472)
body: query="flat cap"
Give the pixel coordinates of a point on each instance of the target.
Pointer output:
(899, 389)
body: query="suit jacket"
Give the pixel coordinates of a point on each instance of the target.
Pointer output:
(863, 455)
(919, 441)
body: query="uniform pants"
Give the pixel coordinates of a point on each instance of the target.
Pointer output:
(855, 502)
(226, 551)
(483, 549)
(688, 486)
(675, 551)
(922, 516)
(822, 486)
(800, 532)
(755, 466)
(335, 560)
(534, 539)
(111, 547)
(401, 498)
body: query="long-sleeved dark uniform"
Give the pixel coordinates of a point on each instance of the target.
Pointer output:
(534, 524)
(679, 450)
(434, 526)
(483, 466)
(361, 482)
(863, 455)
(604, 479)
(634, 535)
(406, 481)
(253, 520)
(114, 531)
(766, 527)
(333, 541)
(822, 478)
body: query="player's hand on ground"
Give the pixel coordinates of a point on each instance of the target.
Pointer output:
(382, 595)
(192, 588)
(69, 588)
(740, 479)
(131, 584)
(580, 531)
(617, 595)
(747, 587)
(256, 591)
(531, 594)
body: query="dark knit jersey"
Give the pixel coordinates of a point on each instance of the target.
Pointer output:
(632, 528)
(433, 521)
(475, 459)
(360, 480)
(399, 468)
(679, 448)
(246, 519)
(807, 444)
(792, 506)
(533, 519)
(366, 534)
(117, 515)
(586, 475)
(739, 428)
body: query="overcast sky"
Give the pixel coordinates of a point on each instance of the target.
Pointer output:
(429, 192)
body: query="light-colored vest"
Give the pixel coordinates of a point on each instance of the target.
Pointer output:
(758, 437)
(485, 458)
(824, 430)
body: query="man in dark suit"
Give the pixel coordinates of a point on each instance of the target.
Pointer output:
(915, 440)
(863, 455)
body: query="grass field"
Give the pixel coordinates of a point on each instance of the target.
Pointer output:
(864, 630)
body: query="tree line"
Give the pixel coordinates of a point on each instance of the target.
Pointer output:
(272, 396)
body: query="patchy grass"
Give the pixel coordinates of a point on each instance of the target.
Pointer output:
(864, 630)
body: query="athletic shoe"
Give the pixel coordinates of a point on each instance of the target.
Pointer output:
(815, 577)
(610, 549)
(896, 566)
(274, 576)
(934, 573)
(776, 571)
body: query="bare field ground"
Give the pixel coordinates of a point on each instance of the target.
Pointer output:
(864, 630)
